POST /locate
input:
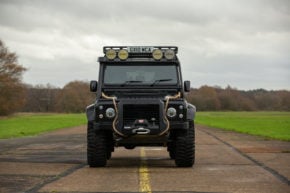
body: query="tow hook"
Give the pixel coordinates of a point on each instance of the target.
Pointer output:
(141, 131)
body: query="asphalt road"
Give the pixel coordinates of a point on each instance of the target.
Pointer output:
(225, 162)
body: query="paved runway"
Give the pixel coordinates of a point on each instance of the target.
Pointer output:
(225, 162)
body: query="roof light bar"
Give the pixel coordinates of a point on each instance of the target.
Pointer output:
(155, 52)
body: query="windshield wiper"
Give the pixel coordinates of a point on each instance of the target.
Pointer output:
(131, 81)
(160, 80)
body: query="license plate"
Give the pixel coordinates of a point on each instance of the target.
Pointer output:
(140, 49)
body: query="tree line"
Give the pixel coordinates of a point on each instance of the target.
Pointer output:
(75, 96)
(208, 98)
(72, 98)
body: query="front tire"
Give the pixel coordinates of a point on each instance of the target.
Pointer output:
(96, 147)
(185, 147)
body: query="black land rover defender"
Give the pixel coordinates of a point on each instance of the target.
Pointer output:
(140, 102)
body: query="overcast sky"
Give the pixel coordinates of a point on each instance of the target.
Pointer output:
(241, 43)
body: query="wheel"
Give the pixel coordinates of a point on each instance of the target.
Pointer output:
(96, 147)
(185, 147)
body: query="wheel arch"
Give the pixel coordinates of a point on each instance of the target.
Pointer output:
(191, 111)
(90, 112)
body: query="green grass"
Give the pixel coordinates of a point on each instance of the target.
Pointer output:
(275, 125)
(32, 124)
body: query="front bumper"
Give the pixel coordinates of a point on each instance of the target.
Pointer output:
(107, 126)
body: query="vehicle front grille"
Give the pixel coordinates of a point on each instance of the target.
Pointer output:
(133, 112)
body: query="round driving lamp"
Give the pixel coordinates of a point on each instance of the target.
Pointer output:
(123, 54)
(157, 54)
(110, 112)
(171, 112)
(169, 54)
(111, 54)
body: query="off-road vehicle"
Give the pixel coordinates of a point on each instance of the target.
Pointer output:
(140, 102)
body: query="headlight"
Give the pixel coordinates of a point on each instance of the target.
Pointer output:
(171, 112)
(110, 112)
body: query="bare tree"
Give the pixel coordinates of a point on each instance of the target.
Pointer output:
(41, 98)
(12, 90)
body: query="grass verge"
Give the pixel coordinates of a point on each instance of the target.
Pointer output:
(22, 125)
(275, 125)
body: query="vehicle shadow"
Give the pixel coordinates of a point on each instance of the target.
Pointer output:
(132, 162)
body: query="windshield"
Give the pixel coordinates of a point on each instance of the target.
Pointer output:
(140, 74)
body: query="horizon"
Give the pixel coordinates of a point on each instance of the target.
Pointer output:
(49, 85)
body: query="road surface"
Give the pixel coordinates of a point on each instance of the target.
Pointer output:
(225, 162)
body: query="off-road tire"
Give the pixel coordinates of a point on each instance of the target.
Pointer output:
(96, 147)
(185, 147)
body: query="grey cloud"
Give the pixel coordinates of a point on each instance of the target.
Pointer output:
(218, 40)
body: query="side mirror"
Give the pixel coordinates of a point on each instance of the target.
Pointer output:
(93, 86)
(187, 86)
